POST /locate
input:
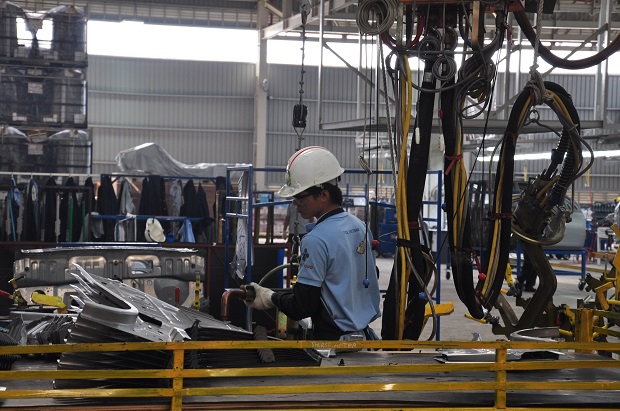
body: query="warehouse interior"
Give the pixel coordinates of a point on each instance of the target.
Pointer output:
(140, 199)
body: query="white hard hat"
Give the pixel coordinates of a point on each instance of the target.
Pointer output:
(154, 232)
(310, 166)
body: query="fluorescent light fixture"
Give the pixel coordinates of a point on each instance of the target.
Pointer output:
(325, 35)
(132, 21)
(608, 153)
(289, 34)
(546, 156)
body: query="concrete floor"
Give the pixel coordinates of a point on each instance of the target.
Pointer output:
(455, 327)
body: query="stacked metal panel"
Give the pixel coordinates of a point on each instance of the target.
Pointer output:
(7, 360)
(115, 312)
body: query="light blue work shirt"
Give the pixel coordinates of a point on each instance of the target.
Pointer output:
(330, 260)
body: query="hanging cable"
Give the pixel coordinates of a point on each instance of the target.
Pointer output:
(555, 61)
(375, 16)
(300, 111)
(364, 164)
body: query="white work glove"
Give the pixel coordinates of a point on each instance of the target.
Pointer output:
(262, 301)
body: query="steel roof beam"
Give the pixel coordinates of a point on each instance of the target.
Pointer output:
(294, 22)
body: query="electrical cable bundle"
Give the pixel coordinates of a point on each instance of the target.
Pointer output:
(477, 77)
(539, 218)
(429, 32)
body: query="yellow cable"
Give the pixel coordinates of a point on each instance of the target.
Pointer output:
(403, 230)
(457, 184)
(493, 253)
(547, 187)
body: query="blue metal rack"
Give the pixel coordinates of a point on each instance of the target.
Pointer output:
(239, 200)
(581, 252)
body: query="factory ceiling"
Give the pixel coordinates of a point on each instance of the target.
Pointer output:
(570, 20)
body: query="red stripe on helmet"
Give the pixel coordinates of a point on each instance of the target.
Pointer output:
(302, 151)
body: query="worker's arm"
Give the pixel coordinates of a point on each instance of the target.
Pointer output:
(302, 302)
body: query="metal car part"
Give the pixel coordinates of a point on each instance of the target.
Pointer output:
(157, 271)
(115, 304)
(112, 311)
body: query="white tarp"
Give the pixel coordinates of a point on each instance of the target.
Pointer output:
(152, 159)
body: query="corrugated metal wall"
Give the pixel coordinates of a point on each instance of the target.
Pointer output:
(204, 112)
(197, 111)
(339, 103)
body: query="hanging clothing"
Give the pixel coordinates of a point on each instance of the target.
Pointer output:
(12, 208)
(191, 206)
(30, 225)
(49, 206)
(107, 204)
(186, 234)
(125, 229)
(176, 194)
(69, 212)
(125, 199)
(206, 220)
(153, 203)
(87, 206)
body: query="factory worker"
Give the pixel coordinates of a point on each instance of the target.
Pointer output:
(337, 285)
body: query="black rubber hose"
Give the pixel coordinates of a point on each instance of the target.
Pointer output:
(389, 318)
(549, 57)
(408, 23)
(460, 262)
(463, 34)
(567, 175)
(505, 166)
(418, 166)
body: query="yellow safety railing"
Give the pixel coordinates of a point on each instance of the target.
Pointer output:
(178, 374)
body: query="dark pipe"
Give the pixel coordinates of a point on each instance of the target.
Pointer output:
(559, 62)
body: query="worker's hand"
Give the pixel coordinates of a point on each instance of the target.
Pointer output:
(285, 235)
(262, 299)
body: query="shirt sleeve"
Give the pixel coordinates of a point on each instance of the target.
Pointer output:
(302, 302)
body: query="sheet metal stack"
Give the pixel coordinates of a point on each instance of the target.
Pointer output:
(115, 312)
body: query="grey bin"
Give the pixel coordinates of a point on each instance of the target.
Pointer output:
(69, 31)
(8, 95)
(8, 28)
(68, 151)
(14, 153)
